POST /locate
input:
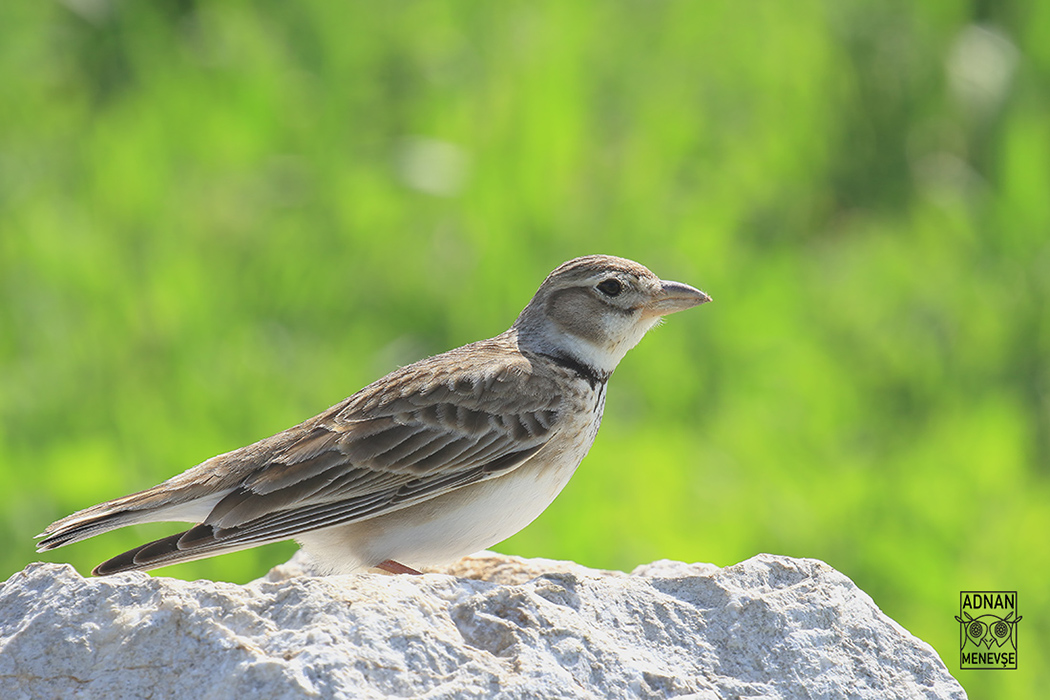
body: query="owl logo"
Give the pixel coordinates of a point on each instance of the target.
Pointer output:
(988, 629)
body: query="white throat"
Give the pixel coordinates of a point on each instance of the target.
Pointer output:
(605, 356)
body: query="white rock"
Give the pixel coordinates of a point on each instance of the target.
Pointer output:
(770, 627)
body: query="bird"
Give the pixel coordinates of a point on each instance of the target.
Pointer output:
(437, 460)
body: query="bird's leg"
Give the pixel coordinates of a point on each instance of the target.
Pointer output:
(393, 567)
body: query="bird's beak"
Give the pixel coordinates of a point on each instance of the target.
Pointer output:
(675, 296)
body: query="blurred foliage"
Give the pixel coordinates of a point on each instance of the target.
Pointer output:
(220, 218)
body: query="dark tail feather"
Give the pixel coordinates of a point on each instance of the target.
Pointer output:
(196, 543)
(83, 530)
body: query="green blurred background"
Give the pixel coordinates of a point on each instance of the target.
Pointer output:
(220, 218)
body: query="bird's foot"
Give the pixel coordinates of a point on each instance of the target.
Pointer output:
(394, 567)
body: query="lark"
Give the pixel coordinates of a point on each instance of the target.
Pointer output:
(437, 460)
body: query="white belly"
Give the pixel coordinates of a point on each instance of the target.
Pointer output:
(454, 524)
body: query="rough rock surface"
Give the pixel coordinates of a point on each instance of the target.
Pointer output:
(489, 626)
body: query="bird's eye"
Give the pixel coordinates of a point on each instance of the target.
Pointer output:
(610, 287)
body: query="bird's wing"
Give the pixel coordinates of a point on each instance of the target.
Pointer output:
(425, 430)
(415, 435)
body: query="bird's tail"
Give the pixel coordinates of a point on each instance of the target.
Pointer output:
(151, 506)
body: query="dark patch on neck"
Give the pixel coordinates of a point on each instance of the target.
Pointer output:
(594, 377)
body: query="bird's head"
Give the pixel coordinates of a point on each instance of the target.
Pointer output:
(598, 307)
